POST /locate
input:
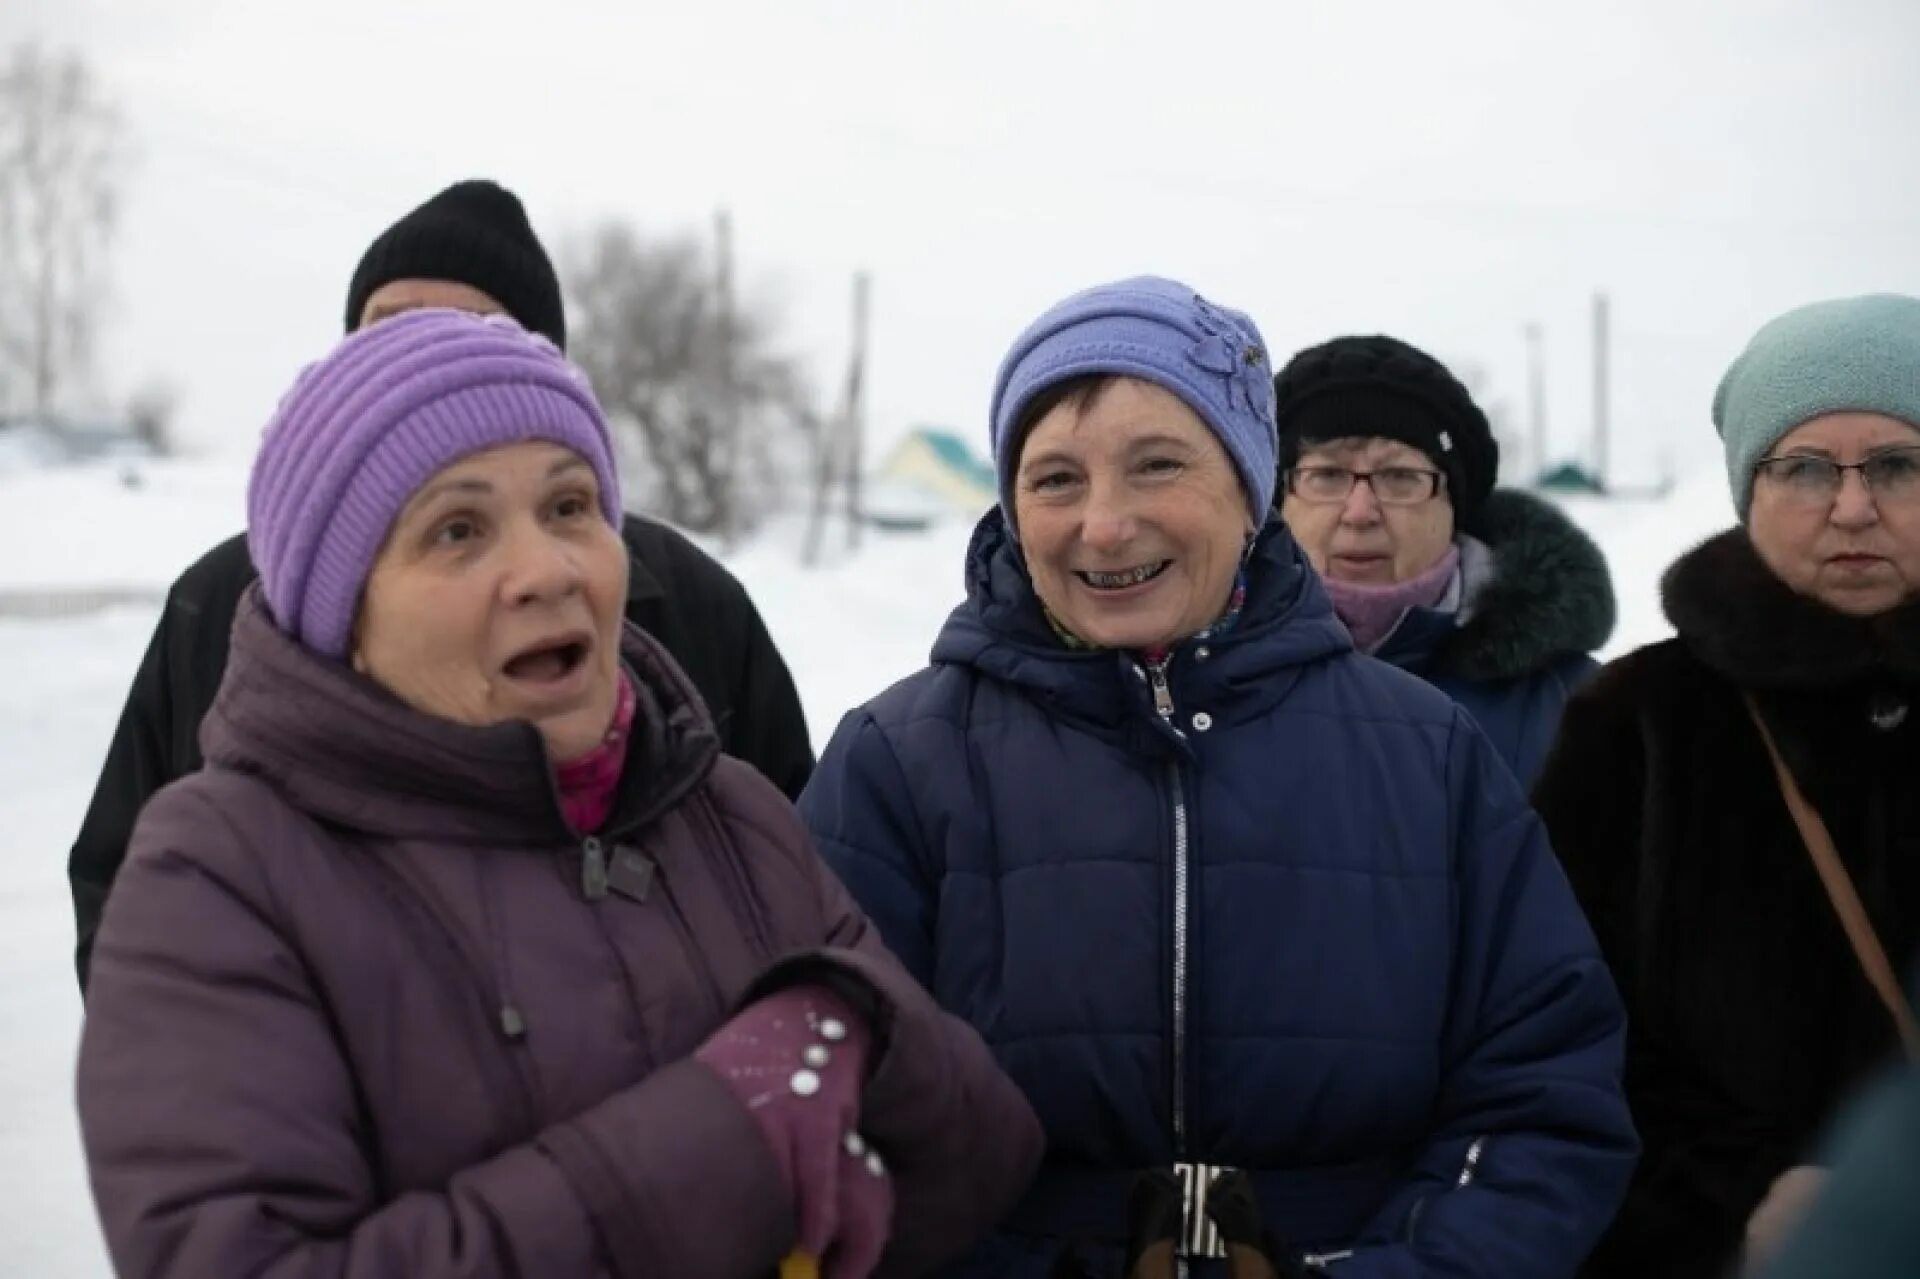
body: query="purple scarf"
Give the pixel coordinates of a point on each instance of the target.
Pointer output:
(587, 784)
(1371, 612)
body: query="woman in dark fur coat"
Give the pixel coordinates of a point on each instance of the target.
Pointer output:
(1751, 1016)
(1491, 595)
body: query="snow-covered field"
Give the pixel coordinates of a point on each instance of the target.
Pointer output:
(72, 537)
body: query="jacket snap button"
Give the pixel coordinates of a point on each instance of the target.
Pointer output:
(1202, 721)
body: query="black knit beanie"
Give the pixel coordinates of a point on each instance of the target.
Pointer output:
(1380, 386)
(474, 233)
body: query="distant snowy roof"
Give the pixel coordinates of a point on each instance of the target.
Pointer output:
(954, 451)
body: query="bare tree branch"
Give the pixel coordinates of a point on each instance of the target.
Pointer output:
(62, 160)
(648, 328)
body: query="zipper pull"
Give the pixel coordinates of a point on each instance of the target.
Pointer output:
(512, 1024)
(1162, 695)
(593, 869)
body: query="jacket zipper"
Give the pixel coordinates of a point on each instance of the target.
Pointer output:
(593, 869)
(595, 883)
(594, 886)
(1179, 954)
(1163, 706)
(1180, 907)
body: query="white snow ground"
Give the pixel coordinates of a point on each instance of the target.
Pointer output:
(70, 538)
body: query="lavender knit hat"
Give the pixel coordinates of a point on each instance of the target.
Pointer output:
(1163, 332)
(362, 430)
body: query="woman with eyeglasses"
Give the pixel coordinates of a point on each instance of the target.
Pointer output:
(1489, 594)
(1755, 997)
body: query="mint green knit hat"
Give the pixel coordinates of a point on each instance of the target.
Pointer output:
(1857, 355)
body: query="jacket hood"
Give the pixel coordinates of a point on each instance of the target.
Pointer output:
(345, 751)
(1001, 630)
(1539, 594)
(1549, 594)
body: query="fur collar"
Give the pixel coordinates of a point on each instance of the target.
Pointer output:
(1748, 625)
(1547, 594)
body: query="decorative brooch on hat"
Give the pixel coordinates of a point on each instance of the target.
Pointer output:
(1226, 351)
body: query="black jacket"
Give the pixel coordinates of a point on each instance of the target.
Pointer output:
(1748, 1017)
(675, 592)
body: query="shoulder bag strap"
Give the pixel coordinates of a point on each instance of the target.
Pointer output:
(1841, 892)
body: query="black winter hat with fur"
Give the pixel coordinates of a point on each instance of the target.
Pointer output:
(474, 233)
(1381, 386)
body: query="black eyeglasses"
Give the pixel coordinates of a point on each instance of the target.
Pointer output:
(1391, 485)
(1891, 475)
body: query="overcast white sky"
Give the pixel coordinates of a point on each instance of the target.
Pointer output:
(1441, 171)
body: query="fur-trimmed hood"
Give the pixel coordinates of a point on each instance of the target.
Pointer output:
(1744, 622)
(1547, 594)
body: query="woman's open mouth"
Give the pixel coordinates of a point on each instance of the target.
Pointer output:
(1125, 578)
(550, 662)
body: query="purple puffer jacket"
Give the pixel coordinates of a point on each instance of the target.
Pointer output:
(363, 1006)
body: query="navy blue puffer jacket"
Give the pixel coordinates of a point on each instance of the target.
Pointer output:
(1301, 923)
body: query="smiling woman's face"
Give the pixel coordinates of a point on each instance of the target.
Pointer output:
(1131, 516)
(498, 596)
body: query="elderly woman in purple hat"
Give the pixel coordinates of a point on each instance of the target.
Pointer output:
(469, 954)
(1239, 908)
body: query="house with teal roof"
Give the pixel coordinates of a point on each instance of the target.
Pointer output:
(931, 474)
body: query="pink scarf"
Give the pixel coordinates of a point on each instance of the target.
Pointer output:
(1371, 612)
(587, 784)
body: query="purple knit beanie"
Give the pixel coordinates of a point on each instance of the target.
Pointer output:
(1162, 332)
(365, 428)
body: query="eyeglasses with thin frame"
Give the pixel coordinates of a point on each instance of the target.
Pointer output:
(1891, 475)
(1391, 485)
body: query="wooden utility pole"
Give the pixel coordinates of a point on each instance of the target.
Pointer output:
(826, 445)
(837, 440)
(856, 407)
(1537, 395)
(727, 415)
(1602, 339)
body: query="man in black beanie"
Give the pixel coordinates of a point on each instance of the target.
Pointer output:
(470, 248)
(1387, 471)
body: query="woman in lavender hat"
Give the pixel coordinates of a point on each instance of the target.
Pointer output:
(1242, 910)
(468, 954)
